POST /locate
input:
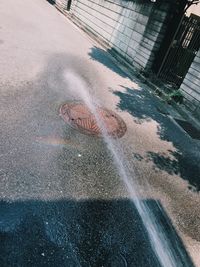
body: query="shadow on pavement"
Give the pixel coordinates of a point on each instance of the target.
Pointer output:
(104, 58)
(81, 233)
(185, 161)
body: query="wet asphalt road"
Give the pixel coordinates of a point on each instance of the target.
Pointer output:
(81, 233)
(62, 200)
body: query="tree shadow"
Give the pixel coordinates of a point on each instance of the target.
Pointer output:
(104, 57)
(184, 165)
(185, 161)
(82, 233)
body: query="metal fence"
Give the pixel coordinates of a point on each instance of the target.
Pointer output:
(181, 52)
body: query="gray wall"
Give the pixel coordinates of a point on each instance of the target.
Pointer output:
(134, 29)
(62, 4)
(191, 86)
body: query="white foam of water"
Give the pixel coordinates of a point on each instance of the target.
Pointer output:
(158, 240)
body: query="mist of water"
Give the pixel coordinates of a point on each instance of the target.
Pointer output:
(157, 237)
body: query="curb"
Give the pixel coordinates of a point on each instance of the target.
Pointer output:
(185, 114)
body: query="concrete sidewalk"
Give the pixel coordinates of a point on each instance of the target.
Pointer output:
(44, 161)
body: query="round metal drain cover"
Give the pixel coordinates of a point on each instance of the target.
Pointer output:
(81, 118)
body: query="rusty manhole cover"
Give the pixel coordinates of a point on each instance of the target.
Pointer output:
(81, 118)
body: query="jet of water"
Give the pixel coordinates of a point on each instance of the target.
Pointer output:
(159, 242)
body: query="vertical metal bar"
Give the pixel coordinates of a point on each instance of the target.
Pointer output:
(171, 58)
(161, 66)
(69, 2)
(179, 57)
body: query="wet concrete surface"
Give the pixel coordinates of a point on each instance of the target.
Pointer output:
(62, 200)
